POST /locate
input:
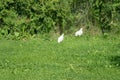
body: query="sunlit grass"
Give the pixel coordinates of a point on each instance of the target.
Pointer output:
(76, 58)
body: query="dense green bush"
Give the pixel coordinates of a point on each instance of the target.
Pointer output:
(20, 17)
(101, 13)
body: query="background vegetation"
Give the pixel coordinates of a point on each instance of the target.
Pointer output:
(20, 18)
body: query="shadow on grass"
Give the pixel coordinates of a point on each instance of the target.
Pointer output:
(115, 60)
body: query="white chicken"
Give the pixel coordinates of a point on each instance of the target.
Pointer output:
(79, 33)
(60, 39)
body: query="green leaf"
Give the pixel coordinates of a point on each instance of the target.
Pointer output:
(16, 34)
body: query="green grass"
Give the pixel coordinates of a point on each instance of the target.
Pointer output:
(76, 58)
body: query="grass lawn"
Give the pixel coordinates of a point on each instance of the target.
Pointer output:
(76, 58)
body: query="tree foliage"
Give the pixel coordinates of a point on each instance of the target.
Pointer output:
(33, 16)
(20, 17)
(101, 13)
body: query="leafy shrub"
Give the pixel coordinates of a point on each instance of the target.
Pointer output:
(33, 17)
